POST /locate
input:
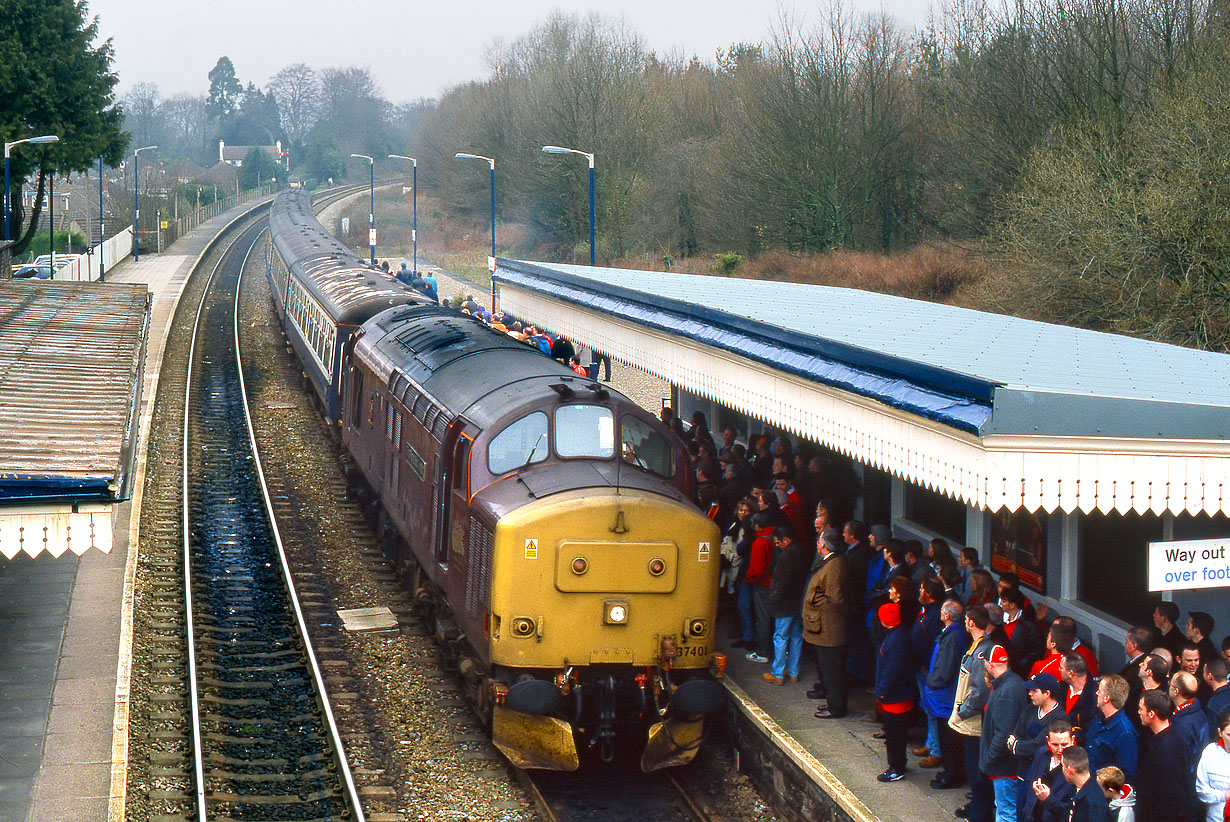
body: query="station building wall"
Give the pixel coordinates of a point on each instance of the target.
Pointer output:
(1090, 567)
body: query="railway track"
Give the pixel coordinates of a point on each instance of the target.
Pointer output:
(265, 742)
(252, 752)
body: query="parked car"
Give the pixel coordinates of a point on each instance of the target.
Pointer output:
(33, 272)
(61, 259)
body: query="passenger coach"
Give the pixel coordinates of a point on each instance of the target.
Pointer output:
(323, 293)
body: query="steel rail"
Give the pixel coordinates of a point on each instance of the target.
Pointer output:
(198, 760)
(190, 627)
(339, 749)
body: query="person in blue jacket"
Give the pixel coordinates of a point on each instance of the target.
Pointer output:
(940, 689)
(1111, 738)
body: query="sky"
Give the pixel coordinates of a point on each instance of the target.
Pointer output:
(415, 49)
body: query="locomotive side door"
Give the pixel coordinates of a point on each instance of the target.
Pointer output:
(452, 494)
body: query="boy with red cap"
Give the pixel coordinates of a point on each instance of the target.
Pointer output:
(895, 695)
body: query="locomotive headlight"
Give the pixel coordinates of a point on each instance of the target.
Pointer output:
(698, 627)
(615, 612)
(657, 567)
(580, 565)
(522, 626)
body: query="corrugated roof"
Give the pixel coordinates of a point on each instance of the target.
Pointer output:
(1042, 378)
(70, 367)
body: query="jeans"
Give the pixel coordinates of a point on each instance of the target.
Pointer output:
(1005, 798)
(747, 625)
(787, 646)
(933, 730)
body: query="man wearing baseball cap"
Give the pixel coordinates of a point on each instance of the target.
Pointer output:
(995, 759)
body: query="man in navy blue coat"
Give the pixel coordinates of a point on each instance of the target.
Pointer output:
(1110, 738)
(1044, 778)
(1219, 700)
(1165, 789)
(1088, 803)
(1000, 719)
(1189, 718)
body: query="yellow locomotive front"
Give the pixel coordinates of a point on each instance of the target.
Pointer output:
(601, 623)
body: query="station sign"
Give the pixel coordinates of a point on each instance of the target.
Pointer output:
(371, 236)
(1186, 564)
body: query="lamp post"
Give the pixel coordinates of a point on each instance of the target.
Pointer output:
(101, 269)
(51, 222)
(136, 202)
(491, 160)
(8, 150)
(371, 214)
(590, 157)
(414, 187)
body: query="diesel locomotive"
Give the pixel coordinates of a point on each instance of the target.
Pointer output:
(543, 521)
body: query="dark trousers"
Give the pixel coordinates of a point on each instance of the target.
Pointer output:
(980, 808)
(598, 358)
(896, 726)
(861, 661)
(831, 670)
(952, 752)
(764, 622)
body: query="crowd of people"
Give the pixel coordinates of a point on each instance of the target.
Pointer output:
(1009, 702)
(553, 345)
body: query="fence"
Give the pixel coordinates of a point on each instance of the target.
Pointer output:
(85, 266)
(116, 248)
(186, 223)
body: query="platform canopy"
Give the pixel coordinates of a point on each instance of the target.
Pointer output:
(995, 411)
(70, 377)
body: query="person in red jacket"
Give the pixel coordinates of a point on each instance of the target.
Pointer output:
(760, 577)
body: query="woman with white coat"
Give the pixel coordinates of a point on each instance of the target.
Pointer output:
(1213, 773)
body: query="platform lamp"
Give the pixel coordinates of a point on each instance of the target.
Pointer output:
(8, 150)
(371, 214)
(590, 157)
(414, 186)
(136, 201)
(101, 265)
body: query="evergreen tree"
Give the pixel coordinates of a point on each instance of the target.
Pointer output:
(54, 79)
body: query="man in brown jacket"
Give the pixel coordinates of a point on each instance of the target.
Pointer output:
(826, 612)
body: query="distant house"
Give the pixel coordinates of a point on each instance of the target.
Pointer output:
(222, 175)
(233, 155)
(183, 171)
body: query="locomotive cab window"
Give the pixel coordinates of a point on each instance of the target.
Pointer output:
(521, 443)
(584, 431)
(644, 447)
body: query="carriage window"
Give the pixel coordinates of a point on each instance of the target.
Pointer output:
(521, 443)
(584, 431)
(644, 447)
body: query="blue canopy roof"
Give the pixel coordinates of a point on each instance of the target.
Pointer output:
(980, 372)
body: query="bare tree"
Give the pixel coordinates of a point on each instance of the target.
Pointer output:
(297, 92)
(141, 115)
(186, 123)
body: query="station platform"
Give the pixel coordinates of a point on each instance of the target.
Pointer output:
(65, 622)
(840, 756)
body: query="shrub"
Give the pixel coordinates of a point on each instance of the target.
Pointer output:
(727, 263)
